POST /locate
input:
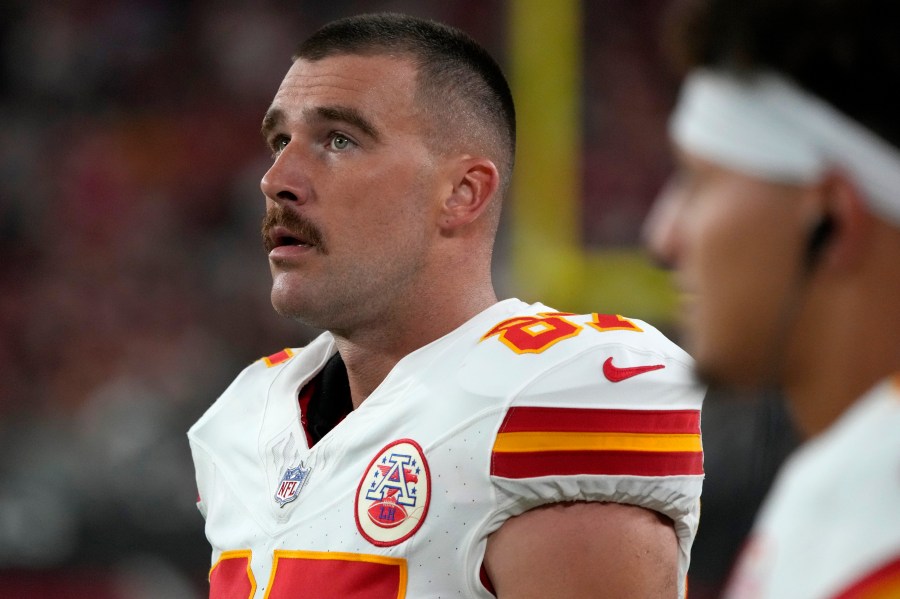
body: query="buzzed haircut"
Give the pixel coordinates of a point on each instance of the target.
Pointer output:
(459, 84)
(846, 52)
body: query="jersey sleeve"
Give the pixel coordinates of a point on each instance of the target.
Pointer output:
(611, 416)
(575, 435)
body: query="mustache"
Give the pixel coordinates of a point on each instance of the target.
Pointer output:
(300, 227)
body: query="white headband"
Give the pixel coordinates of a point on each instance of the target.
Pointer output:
(766, 126)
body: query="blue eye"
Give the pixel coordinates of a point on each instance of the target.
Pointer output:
(339, 142)
(278, 144)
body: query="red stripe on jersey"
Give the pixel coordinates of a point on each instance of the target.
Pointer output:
(337, 574)
(231, 577)
(277, 358)
(883, 583)
(584, 420)
(569, 463)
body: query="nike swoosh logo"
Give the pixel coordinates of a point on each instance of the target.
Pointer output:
(617, 375)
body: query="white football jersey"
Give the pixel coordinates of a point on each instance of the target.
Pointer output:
(830, 528)
(519, 407)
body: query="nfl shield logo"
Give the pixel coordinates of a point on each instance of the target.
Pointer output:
(290, 484)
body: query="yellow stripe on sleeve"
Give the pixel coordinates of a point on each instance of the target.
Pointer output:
(520, 442)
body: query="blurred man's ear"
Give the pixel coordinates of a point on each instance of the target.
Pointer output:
(819, 236)
(838, 239)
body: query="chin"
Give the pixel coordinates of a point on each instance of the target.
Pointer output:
(711, 376)
(308, 312)
(289, 305)
(724, 358)
(732, 373)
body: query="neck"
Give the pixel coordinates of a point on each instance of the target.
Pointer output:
(846, 340)
(370, 352)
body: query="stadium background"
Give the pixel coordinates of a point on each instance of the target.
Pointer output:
(134, 286)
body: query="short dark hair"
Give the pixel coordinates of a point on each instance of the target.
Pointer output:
(457, 78)
(846, 52)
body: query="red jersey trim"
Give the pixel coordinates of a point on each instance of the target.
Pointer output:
(277, 358)
(588, 420)
(232, 574)
(883, 583)
(540, 441)
(570, 463)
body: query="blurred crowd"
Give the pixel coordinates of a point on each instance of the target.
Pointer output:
(134, 284)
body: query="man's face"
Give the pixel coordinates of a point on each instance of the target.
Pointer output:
(736, 243)
(352, 193)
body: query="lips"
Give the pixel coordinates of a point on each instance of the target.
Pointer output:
(283, 229)
(282, 236)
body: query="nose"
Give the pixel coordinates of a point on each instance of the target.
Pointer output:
(661, 229)
(287, 180)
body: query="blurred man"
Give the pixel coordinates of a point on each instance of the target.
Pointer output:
(784, 226)
(434, 442)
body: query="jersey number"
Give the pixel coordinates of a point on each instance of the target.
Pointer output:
(312, 575)
(534, 334)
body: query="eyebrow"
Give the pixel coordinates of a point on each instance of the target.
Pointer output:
(348, 115)
(342, 114)
(274, 117)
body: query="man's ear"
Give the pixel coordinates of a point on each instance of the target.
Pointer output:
(851, 222)
(475, 184)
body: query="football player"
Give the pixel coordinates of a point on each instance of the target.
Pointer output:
(783, 223)
(433, 441)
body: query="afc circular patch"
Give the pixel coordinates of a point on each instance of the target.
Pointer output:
(393, 494)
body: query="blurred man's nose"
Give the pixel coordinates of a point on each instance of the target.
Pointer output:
(660, 230)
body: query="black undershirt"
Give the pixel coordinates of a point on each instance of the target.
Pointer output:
(330, 401)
